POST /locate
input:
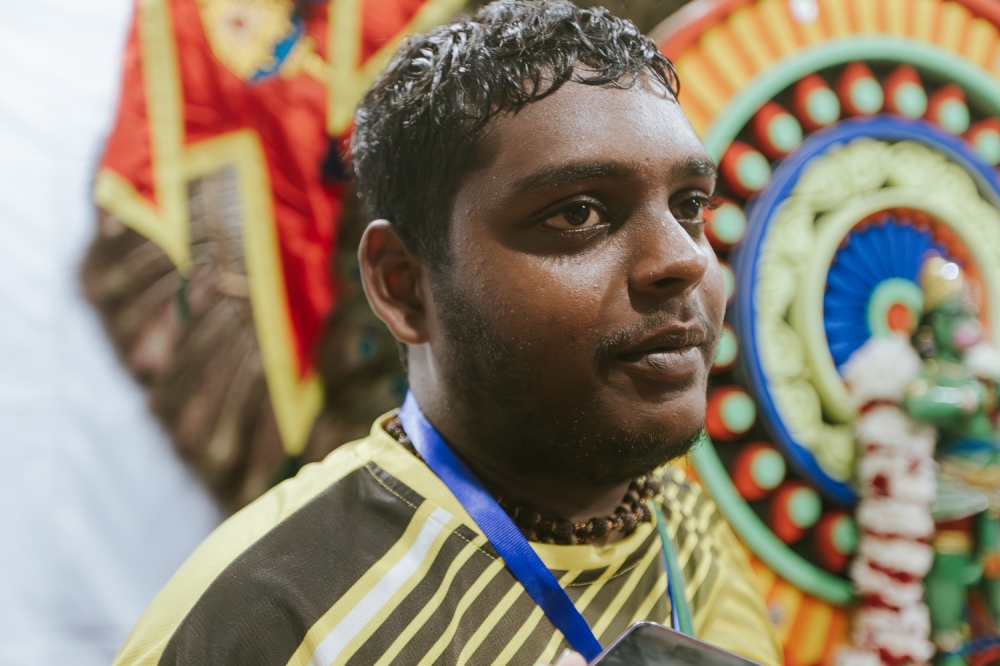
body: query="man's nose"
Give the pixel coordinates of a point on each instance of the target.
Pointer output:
(666, 259)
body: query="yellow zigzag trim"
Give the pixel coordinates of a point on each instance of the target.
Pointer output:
(296, 401)
(349, 79)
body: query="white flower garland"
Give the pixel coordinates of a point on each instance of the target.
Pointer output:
(897, 481)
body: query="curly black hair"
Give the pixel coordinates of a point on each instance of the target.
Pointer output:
(417, 130)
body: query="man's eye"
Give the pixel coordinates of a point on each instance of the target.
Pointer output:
(691, 209)
(576, 216)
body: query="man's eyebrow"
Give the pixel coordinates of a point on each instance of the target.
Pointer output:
(564, 174)
(696, 166)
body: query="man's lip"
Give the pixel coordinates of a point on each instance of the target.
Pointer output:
(671, 365)
(673, 354)
(674, 340)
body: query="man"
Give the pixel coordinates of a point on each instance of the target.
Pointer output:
(537, 199)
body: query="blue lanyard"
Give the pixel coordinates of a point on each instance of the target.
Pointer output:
(501, 531)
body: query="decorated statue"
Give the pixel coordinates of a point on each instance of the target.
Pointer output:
(956, 391)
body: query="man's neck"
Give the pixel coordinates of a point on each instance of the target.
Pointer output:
(552, 496)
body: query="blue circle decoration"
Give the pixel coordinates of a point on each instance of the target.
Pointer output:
(870, 257)
(760, 214)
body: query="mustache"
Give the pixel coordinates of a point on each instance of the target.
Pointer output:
(611, 345)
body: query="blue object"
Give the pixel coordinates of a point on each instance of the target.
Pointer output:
(513, 548)
(281, 50)
(680, 615)
(761, 213)
(869, 258)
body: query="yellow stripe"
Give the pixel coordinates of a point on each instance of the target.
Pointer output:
(923, 16)
(432, 605)
(467, 599)
(743, 24)
(526, 629)
(782, 31)
(811, 632)
(686, 549)
(296, 400)
(720, 48)
(118, 196)
(895, 17)
(165, 220)
(157, 624)
(655, 594)
(629, 586)
(698, 117)
(834, 13)
(581, 605)
(350, 599)
(349, 78)
(813, 33)
(979, 42)
(952, 24)
(162, 83)
(344, 47)
(400, 595)
(701, 572)
(699, 79)
(490, 623)
(866, 15)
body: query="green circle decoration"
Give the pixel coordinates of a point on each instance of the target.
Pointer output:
(910, 100)
(729, 280)
(785, 132)
(804, 507)
(987, 145)
(753, 170)
(729, 223)
(738, 412)
(759, 539)
(727, 349)
(977, 83)
(953, 115)
(844, 535)
(867, 96)
(887, 294)
(823, 106)
(768, 469)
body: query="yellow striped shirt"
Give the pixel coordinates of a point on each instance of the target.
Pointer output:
(367, 558)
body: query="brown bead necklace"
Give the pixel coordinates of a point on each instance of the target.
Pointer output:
(633, 510)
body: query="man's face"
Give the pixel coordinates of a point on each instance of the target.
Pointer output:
(582, 303)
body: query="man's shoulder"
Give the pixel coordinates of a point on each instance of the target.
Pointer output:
(726, 605)
(697, 529)
(278, 562)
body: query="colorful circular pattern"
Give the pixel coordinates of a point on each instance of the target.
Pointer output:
(785, 426)
(875, 269)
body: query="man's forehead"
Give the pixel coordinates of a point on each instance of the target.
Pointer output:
(639, 128)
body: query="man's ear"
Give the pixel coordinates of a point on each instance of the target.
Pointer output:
(392, 277)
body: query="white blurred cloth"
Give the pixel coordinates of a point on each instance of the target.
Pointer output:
(96, 510)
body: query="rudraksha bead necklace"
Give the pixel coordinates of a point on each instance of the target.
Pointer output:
(633, 510)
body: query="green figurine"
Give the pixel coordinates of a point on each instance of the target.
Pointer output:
(956, 391)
